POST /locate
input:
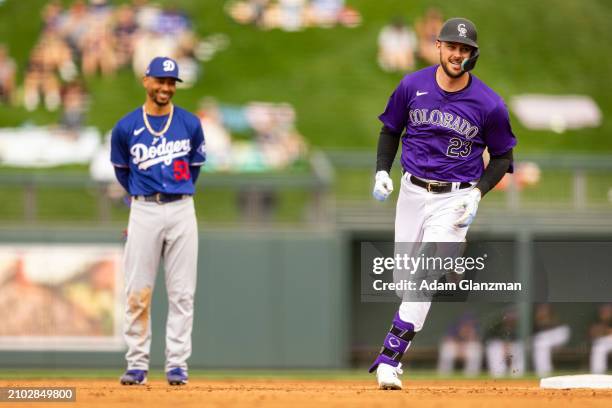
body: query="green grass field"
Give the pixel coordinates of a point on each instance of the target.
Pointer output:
(220, 205)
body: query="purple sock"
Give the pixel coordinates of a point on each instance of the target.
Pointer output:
(396, 343)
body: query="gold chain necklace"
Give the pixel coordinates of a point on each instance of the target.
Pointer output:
(148, 125)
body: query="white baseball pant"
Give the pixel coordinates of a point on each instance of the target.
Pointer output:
(602, 346)
(422, 216)
(498, 351)
(469, 351)
(543, 343)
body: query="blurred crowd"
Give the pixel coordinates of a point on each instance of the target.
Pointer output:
(269, 136)
(257, 136)
(96, 38)
(399, 45)
(293, 15)
(465, 343)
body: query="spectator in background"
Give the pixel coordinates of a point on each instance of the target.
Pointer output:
(147, 14)
(100, 7)
(146, 45)
(52, 15)
(427, 30)
(74, 101)
(291, 14)
(74, 25)
(165, 32)
(98, 49)
(218, 139)
(326, 12)
(548, 333)
(601, 337)
(461, 342)
(396, 46)
(185, 57)
(8, 72)
(57, 56)
(50, 60)
(40, 81)
(100, 13)
(258, 8)
(247, 12)
(275, 143)
(276, 135)
(505, 351)
(272, 17)
(125, 31)
(172, 21)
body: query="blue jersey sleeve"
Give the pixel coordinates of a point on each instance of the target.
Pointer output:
(123, 177)
(197, 156)
(120, 155)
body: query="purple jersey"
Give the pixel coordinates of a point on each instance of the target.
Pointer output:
(447, 132)
(158, 164)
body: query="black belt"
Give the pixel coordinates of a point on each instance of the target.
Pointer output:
(161, 198)
(437, 187)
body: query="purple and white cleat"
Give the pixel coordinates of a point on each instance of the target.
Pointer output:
(388, 376)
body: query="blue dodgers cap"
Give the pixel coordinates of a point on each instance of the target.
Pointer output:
(163, 67)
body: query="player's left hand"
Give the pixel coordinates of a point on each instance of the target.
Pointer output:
(469, 205)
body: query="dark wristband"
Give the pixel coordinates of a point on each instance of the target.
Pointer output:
(495, 171)
(388, 142)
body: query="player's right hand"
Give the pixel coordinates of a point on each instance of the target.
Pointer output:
(383, 186)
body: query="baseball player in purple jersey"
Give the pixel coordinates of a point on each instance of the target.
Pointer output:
(444, 117)
(157, 151)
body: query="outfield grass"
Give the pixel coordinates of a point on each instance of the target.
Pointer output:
(220, 204)
(76, 205)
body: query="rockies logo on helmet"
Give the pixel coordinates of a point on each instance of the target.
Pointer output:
(462, 30)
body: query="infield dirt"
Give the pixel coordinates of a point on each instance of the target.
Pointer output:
(306, 393)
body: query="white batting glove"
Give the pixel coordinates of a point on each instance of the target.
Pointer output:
(383, 186)
(469, 204)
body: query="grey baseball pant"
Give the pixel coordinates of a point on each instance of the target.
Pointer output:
(155, 232)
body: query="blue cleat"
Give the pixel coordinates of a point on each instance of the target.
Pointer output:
(134, 377)
(177, 376)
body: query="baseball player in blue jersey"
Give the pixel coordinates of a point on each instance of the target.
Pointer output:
(444, 118)
(157, 151)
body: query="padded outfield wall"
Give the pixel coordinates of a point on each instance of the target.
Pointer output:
(263, 299)
(284, 298)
